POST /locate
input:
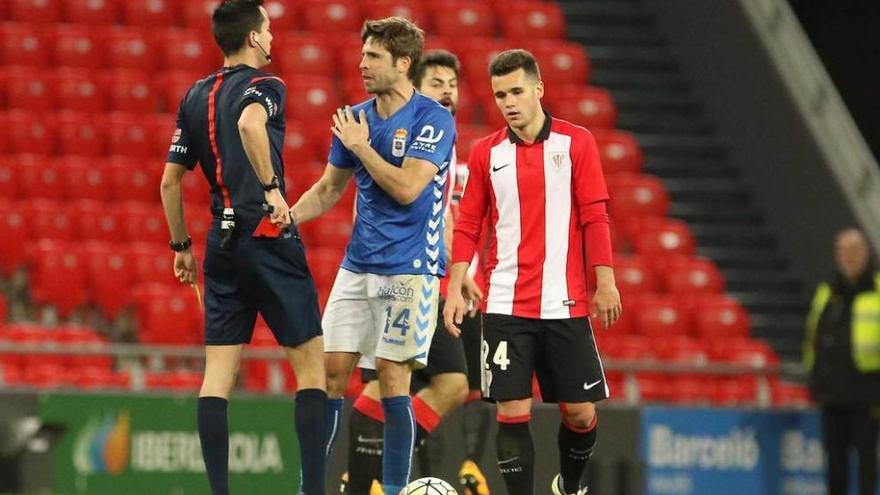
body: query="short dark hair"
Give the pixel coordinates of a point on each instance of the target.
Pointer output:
(231, 22)
(401, 37)
(435, 58)
(508, 61)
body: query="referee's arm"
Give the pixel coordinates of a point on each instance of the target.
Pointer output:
(172, 200)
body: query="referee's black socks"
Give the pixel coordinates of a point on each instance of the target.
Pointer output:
(575, 448)
(310, 419)
(516, 454)
(214, 437)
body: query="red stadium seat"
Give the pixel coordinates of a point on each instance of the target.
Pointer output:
(14, 241)
(98, 379)
(39, 178)
(149, 13)
(79, 135)
(171, 87)
(30, 134)
(129, 135)
(653, 387)
(283, 14)
(333, 232)
(408, 9)
(298, 147)
(742, 351)
(8, 179)
(94, 12)
(466, 137)
(531, 20)
(661, 237)
(30, 90)
(635, 195)
(462, 18)
(634, 275)
(353, 91)
(790, 395)
(719, 316)
(144, 223)
(135, 180)
(187, 49)
(58, 276)
(331, 16)
(626, 347)
(680, 349)
(165, 315)
(661, 316)
(475, 57)
(49, 219)
(197, 14)
(348, 55)
(590, 107)
(23, 45)
(5, 146)
(687, 275)
(691, 389)
(40, 11)
(130, 48)
(311, 97)
(108, 277)
(619, 151)
(736, 391)
(97, 221)
(79, 90)
(130, 92)
(80, 335)
(150, 264)
(4, 309)
(562, 62)
(324, 264)
(299, 177)
(305, 54)
(76, 46)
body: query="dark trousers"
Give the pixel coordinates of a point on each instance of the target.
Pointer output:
(845, 427)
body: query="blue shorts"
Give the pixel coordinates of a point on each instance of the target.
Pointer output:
(264, 275)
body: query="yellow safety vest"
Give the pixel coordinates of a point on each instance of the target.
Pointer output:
(865, 327)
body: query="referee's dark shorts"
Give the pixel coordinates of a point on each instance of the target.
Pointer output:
(259, 274)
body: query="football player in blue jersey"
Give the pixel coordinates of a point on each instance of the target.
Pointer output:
(383, 306)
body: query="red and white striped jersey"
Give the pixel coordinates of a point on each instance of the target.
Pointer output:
(539, 197)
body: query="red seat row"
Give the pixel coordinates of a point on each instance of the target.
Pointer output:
(519, 19)
(663, 316)
(726, 391)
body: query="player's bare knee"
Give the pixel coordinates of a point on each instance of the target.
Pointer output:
(394, 377)
(338, 367)
(579, 414)
(515, 408)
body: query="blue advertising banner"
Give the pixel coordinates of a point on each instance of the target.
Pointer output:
(731, 451)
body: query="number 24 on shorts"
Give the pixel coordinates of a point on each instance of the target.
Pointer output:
(499, 357)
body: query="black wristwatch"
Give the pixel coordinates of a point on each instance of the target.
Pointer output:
(275, 183)
(181, 246)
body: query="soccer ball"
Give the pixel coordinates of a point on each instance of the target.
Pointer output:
(429, 486)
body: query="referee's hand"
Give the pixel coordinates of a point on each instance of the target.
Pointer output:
(185, 266)
(279, 212)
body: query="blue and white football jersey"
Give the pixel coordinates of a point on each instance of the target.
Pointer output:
(390, 238)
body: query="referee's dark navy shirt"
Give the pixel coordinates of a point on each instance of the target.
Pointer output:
(207, 133)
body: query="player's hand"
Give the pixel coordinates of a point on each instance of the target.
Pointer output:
(472, 294)
(279, 213)
(453, 312)
(352, 133)
(185, 267)
(606, 305)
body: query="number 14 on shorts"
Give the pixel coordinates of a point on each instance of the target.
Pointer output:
(401, 322)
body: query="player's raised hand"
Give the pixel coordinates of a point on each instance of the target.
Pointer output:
(350, 131)
(606, 305)
(185, 266)
(454, 310)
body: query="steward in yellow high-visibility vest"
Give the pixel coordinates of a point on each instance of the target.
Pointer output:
(842, 352)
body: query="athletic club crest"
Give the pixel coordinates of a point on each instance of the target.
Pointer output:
(398, 145)
(558, 159)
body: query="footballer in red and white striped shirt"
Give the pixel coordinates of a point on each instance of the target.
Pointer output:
(540, 182)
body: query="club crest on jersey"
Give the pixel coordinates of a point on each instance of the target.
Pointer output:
(558, 159)
(398, 144)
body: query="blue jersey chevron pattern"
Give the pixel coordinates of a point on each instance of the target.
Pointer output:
(389, 238)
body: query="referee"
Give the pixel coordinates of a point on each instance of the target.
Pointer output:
(232, 124)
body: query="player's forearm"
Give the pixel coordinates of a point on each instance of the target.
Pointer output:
(255, 140)
(315, 202)
(172, 203)
(457, 273)
(604, 276)
(397, 182)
